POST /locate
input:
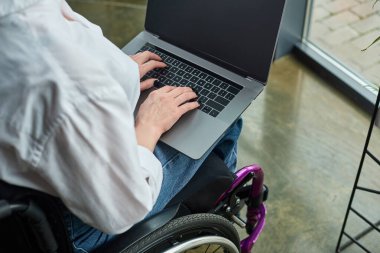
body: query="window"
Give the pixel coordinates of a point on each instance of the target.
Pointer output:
(340, 29)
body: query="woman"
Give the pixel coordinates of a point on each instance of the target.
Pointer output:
(67, 97)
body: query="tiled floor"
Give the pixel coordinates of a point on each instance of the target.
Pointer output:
(305, 134)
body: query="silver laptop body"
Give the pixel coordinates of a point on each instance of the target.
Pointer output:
(196, 132)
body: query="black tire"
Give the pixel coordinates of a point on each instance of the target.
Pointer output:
(183, 229)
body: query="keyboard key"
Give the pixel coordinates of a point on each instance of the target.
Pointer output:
(206, 109)
(170, 75)
(204, 92)
(201, 82)
(202, 75)
(189, 69)
(180, 73)
(215, 105)
(191, 85)
(194, 79)
(223, 86)
(177, 79)
(184, 82)
(162, 79)
(182, 66)
(197, 89)
(173, 69)
(169, 60)
(229, 96)
(217, 82)
(210, 79)
(215, 89)
(221, 100)
(159, 71)
(212, 95)
(208, 86)
(187, 76)
(202, 100)
(164, 72)
(222, 93)
(195, 72)
(214, 113)
(176, 63)
(233, 90)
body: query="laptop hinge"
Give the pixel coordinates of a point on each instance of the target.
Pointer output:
(155, 36)
(250, 78)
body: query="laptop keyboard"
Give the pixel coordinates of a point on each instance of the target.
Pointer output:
(214, 92)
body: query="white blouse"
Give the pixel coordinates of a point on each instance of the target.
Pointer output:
(67, 97)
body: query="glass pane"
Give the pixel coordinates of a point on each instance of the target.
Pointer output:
(342, 28)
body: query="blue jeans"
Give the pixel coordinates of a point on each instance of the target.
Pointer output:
(178, 169)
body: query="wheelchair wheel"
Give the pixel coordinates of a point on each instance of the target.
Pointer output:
(207, 233)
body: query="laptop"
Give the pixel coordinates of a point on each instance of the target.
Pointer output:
(223, 49)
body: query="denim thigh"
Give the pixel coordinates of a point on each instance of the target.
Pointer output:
(178, 169)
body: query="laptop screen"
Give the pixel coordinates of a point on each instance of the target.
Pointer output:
(239, 35)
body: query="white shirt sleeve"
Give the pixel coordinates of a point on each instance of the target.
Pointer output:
(96, 167)
(67, 97)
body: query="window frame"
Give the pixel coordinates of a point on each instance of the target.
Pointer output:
(293, 38)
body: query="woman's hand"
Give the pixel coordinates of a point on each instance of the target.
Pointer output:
(160, 111)
(147, 61)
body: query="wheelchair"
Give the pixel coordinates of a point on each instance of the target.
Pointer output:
(200, 218)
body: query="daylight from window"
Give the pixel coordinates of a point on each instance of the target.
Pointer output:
(342, 28)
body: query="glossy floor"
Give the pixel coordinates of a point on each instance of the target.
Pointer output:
(306, 135)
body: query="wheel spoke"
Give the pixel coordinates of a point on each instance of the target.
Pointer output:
(217, 249)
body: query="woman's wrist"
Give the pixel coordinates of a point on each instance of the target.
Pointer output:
(147, 135)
